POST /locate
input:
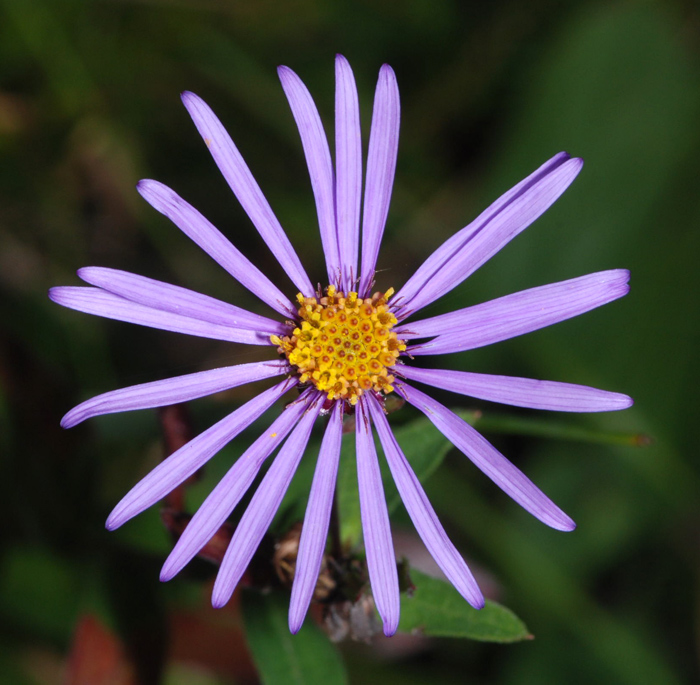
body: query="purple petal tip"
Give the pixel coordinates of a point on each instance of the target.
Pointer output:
(167, 573)
(218, 602)
(84, 272)
(68, 421)
(390, 628)
(566, 526)
(386, 70)
(143, 185)
(112, 523)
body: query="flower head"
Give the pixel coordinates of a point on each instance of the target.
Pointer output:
(346, 348)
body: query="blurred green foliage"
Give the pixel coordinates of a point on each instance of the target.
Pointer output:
(88, 105)
(308, 657)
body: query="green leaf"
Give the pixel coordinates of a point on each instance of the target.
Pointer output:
(425, 448)
(307, 657)
(554, 429)
(346, 492)
(436, 608)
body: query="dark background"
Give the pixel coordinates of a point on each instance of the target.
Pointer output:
(89, 104)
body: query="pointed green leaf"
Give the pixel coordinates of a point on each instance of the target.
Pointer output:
(436, 608)
(306, 658)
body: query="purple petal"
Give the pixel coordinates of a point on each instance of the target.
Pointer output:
(246, 189)
(181, 464)
(521, 392)
(487, 458)
(423, 515)
(381, 562)
(348, 170)
(315, 529)
(262, 508)
(172, 298)
(468, 249)
(229, 491)
(318, 160)
(214, 243)
(102, 303)
(516, 314)
(173, 390)
(381, 166)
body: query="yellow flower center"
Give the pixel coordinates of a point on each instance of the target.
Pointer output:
(344, 344)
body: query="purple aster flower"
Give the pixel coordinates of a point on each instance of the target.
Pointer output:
(345, 348)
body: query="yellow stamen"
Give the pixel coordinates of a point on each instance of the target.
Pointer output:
(343, 344)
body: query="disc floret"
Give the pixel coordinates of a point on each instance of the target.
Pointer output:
(343, 344)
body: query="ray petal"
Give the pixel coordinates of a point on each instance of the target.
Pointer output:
(422, 513)
(199, 229)
(181, 464)
(262, 508)
(315, 529)
(102, 303)
(348, 170)
(381, 167)
(379, 547)
(467, 250)
(318, 160)
(487, 458)
(516, 314)
(177, 300)
(246, 189)
(228, 493)
(519, 392)
(173, 390)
